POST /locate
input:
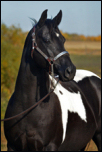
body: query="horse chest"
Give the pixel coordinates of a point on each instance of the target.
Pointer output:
(71, 102)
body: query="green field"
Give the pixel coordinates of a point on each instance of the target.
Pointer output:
(87, 62)
(88, 58)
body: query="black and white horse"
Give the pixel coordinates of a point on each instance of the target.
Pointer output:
(71, 115)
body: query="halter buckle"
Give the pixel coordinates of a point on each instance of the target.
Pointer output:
(33, 34)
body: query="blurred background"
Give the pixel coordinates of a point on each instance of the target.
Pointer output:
(81, 26)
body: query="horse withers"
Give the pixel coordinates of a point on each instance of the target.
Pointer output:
(67, 119)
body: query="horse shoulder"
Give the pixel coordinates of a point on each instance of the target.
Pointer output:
(72, 102)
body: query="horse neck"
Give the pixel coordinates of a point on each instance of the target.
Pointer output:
(32, 81)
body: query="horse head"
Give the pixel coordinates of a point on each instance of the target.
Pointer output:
(49, 40)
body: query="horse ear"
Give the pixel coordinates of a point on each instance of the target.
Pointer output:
(42, 18)
(57, 18)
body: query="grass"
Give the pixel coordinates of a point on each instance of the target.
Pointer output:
(87, 62)
(83, 45)
(84, 55)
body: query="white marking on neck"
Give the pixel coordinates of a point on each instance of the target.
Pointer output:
(69, 101)
(57, 34)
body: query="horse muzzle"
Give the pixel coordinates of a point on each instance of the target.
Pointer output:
(67, 74)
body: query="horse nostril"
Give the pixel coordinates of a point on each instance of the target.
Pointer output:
(67, 72)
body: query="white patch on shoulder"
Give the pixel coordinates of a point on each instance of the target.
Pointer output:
(69, 101)
(81, 74)
(57, 34)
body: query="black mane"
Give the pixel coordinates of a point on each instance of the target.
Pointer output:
(34, 21)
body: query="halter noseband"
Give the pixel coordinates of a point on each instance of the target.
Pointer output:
(50, 60)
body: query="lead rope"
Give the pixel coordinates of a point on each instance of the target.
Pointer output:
(51, 81)
(52, 74)
(29, 109)
(32, 107)
(50, 91)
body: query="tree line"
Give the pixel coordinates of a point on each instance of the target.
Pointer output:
(12, 42)
(76, 37)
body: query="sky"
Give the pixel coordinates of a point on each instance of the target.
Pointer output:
(80, 17)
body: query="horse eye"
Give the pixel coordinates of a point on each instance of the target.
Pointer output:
(46, 39)
(63, 39)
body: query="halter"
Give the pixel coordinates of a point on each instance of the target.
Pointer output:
(50, 60)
